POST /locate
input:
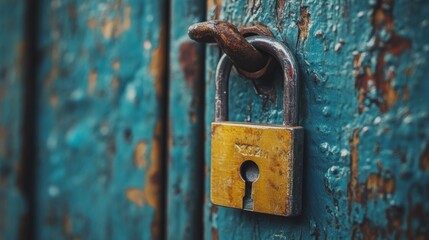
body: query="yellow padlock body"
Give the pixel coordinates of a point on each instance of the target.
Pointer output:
(276, 149)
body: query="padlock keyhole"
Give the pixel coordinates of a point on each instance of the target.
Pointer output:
(249, 172)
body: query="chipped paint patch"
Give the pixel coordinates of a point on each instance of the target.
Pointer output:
(53, 100)
(115, 27)
(377, 186)
(68, 224)
(116, 65)
(382, 78)
(92, 81)
(139, 155)
(424, 159)
(153, 180)
(303, 23)
(189, 62)
(353, 192)
(91, 23)
(151, 192)
(135, 196)
(53, 74)
(157, 66)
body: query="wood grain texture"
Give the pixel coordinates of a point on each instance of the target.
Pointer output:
(101, 87)
(363, 68)
(185, 124)
(13, 206)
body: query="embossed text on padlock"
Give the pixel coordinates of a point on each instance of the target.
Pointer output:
(258, 167)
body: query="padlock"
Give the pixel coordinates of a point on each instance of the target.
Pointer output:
(258, 167)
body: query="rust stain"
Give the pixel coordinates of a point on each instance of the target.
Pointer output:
(368, 231)
(303, 23)
(354, 192)
(68, 224)
(114, 27)
(108, 28)
(157, 66)
(383, 83)
(126, 24)
(193, 117)
(54, 72)
(92, 81)
(280, 11)
(417, 214)
(382, 21)
(406, 93)
(189, 63)
(53, 100)
(52, 75)
(150, 194)
(116, 65)
(409, 71)
(424, 159)
(115, 83)
(139, 155)
(91, 23)
(215, 233)
(377, 186)
(213, 211)
(153, 180)
(136, 196)
(394, 216)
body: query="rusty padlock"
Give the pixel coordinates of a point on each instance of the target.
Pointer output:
(258, 167)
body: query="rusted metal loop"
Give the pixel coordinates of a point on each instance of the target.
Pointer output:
(245, 57)
(288, 66)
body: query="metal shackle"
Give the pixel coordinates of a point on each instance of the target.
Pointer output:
(287, 62)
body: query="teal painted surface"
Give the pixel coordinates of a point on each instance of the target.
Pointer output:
(185, 124)
(101, 83)
(364, 107)
(12, 203)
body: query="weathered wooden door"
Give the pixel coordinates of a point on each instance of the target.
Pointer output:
(105, 112)
(84, 119)
(364, 107)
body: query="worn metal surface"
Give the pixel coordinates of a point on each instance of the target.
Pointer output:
(276, 150)
(185, 124)
(243, 54)
(290, 78)
(12, 203)
(101, 80)
(363, 67)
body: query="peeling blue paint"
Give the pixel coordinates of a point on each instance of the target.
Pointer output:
(185, 137)
(365, 113)
(13, 206)
(101, 82)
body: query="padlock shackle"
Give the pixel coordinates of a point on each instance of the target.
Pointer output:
(287, 62)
